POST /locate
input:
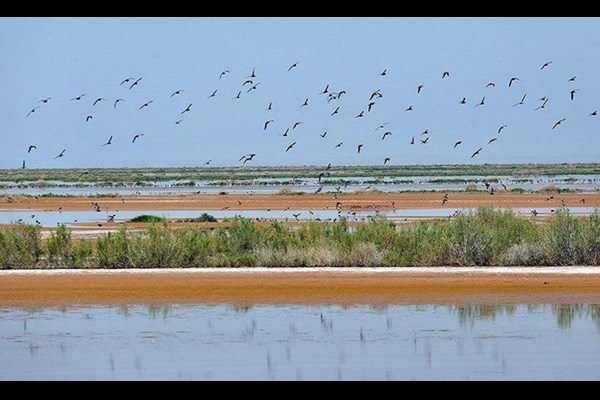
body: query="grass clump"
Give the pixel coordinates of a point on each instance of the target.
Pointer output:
(145, 218)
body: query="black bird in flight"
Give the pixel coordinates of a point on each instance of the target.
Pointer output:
(116, 102)
(385, 160)
(296, 124)
(559, 122)
(338, 145)
(572, 79)
(32, 111)
(520, 103)
(376, 93)
(99, 99)
(477, 152)
(294, 65)
(492, 84)
(270, 107)
(510, 82)
(593, 113)
(457, 143)
(109, 142)
(23, 166)
(481, 103)
(323, 134)
(335, 111)
(384, 72)
(445, 74)
(286, 132)
(362, 113)
(87, 119)
(78, 97)
(360, 146)
(247, 157)
(253, 74)
(388, 133)
(213, 94)
(134, 83)
(178, 121)
(188, 109)
(573, 94)
(419, 88)
(305, 103)
(492, 140)
(224, 73)
(253, 87)
(412, 141)
(146, 104)
(175, 93)
(502, 127)
(543, 105)
(31, 147)
(267, 124)
(424, 141)
(409, 108)
(136, 137)
(62, 153)
(238, 95)
(126, 80)
(247, 82)
(381, 126)
(425, 132)
(45, 100)
(463, 101)
(290, 146)
(326, 90)
(370, 105)
(546, 64)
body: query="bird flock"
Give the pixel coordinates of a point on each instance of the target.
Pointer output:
(329, 98)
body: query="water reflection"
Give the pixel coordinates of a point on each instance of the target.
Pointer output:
(296, 342)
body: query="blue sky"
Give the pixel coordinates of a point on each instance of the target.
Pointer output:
(62, 58)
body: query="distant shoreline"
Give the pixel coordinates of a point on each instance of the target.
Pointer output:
(345, 286)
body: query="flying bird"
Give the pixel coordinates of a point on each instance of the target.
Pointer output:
(481, 103)
(45, 100)
(126, 80)
(388, 133)
(457, 143)
(419, 88)
(88, 118)
(463, 101)
(360, 146)
(23, 165)
(224, 73)
(32, 111)
(546, 64)
(253, 87)
(116, 102)
(238, 95)
(62, 153)
(146, 104)
(492, 140)
(294, 65)
(573, 94)
(178, 121)
(491, 84)
(326, 90)
(135, 83)
(253, 74)
(412, 141)
(384, 72)
(385, 160)
(477, 152)
(376, 93)
(543, 104)
(520, 103)
(305, 103)
(31, 147)
(338, 145)
(296, 124)
(593, 113)
(410, 108)
(323, 134)
(558, 122)
(213, 94)
(267, 124)
(445, 74)
(109, 142)
(290, 147)
(572, 79)
(136, 137)
(248, 82)
(370, 105)
(175, 93)
(98, 100)
(270, 106)
(187, 109)
(510, 82)
(78, 97)
(502, 127)
(362, 113)
(424, 141)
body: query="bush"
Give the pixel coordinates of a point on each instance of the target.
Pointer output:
(147, 219)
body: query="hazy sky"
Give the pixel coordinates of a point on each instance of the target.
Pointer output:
(62, 58)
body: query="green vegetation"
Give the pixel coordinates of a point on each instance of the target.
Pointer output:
(204, 217)
(484, 238)
(147, 219)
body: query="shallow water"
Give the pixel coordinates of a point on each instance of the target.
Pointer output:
(294, 342)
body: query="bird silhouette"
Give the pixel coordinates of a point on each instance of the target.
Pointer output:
(510, 82)
(296, 124)
(501, 128)
(286, 132)
(492, 140)
(98, 100)
(557, 123)
(593, 113)
(572, 79)
(412, 141)
(175, 93)
(248, 82)
(31, 147)
(117, 101)
(78, 97)
(546, 64)
(362, 113)
(359, 147)
(419, 88)
(88, 118)
(573, 94)
(445, 74)
(224, 73)
(267, 124)
(187, 109)
(370, 105)
(135, 83)
(386, 160)
(45, 100)
(213, 94)
(491, 84)
(136, 137)
(305, 103)
(481, 103)
(125, 81)
(463, 101)
(270, 106)
(326, 90)
(253, 74)
(335, 111)
(146, 104)
(384, 72)
(388, 133)
(290, 146)
(32, 111)
(323, 134)
(376, 93)
(424, 141)
(23, 165)
(294, 65)
(179, 121)
(253, 87)
(476, 152)
(62, 153)
(457, 143)
(520, 103)
(109, 142)
(238, 95)
(338, 145)
(543, 105)
(410, 108)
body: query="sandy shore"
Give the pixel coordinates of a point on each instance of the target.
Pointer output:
(302, 286)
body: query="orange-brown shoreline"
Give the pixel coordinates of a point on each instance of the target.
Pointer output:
(41, 289)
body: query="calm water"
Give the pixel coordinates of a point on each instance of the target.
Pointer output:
(301, 342)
